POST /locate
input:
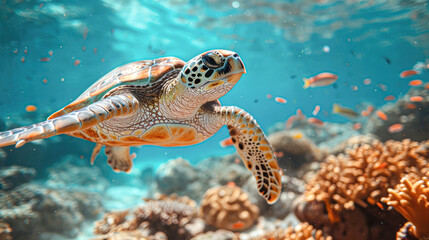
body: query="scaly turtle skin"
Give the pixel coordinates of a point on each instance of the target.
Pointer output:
(164, 102)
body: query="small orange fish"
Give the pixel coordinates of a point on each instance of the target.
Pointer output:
(231, 184)
(279, 154)
(354, 88)
(408, 73)
(416, 99)
(95, 50)
(381, 115)
(280, 100)
(45, 80)
(290, 121)
(381, 166)
(320, 80)
(427, 86)
(269, 96)
(25, 50)
(380, 205)
(396, 128)
(357, 126)
(45, 59)
(382, 87)
(15, 50)
(22, 59)
(369, 109)
(51, 53)
(415, 83)
(367, 81)
(364, 113)
(298, 136)
(410, 106)
(316, 110)
(389, 98)
(315, 121)
(227, 142)
(76, 62)
(237, 225)
(30, 108)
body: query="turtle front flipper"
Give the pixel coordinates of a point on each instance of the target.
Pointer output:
(80, 119)
(254, 150)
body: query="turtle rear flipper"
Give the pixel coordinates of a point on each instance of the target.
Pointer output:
(83, 118)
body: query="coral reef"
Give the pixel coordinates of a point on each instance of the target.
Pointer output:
(414, 117)
(31, 210)
(14, 176)
(228, 207)
(5, 231)
(302, 231)
(293, 154)
(411, 199)
(348, 188)
(173, 217)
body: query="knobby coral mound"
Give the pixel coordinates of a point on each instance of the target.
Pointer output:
(303, 231)
(411, 199)
(228, 207)
(172, 216)
(348, 188)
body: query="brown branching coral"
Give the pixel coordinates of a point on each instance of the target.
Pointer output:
(228, 207)
(411, 199)
(170, 215)
(366, 172)
(303, 231)
(348, 188)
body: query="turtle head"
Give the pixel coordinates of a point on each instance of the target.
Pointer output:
(212, 74)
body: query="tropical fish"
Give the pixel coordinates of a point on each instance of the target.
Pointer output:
(381, 115)
(410, 106)
(45, 80)
(316, 110)
(389, 98)
(320, 80)
(227, 142)
(292, 119)
(297, 136)
(315, 121)
(344, 111)
(76, 62)
(357, 126)
(269, 96)
(396, 128)
(408, 73)
(367, 81)
(45, 59)
(416, 99)
(51, 53)
(30, 108)
(415, 83)
(280, 100)
(237, 225)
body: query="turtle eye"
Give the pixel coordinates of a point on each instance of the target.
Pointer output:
(212, 60)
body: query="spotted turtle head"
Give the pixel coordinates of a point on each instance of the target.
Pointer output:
(212, 73)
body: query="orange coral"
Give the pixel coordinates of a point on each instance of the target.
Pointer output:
(411, 199)
(365, 173)
(228, 207)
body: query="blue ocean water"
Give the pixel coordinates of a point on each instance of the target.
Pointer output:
(280, 42)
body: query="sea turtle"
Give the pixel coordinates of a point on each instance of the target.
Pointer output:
(164, 102)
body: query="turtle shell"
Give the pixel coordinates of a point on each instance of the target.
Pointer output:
(141, 73)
